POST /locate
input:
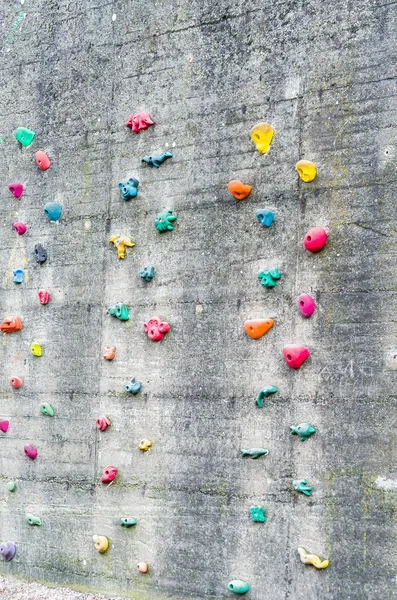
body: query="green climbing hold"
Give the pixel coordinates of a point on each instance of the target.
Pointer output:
(300, 485)
(47, 409)
(120, 311)
(32, 520)
(254, 452)
(264, 393)
(258, 514)
(24, 136)
(269, 278)
(304, 430)
(127, 522)
(164, 221)
(11, 486)
(238, 587)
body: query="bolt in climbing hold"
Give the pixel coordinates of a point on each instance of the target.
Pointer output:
(19, 227)
(120, 311)
(269, 278)
(102, 423)
(312, 559)
(264, 393)
(254, 452)
(32, 520)
(262, 134)
(47, 409)
(30, 451)
(43, 162)
(18, 275)
(139, 122)
(147, 272)
(129, 189)
(101, 543)
(315, 239)
(306, 305)
(265, 216)
(16, 382)
(40, 254)
(44, 296)
(108, 474)
(300, 485)
(142, 567)
(11, 486)
(238, 587)
(295, 355)
(155, 160)
(24, 136)
(156, 329)
(238, 189)
(304, 430)
(133, 387)
(256, 328)
(11, 324)
(121, 243)
(4, 425)
(306, 170)
(258, 514)
(36, 349)
(53, 210)
(144, 445)
(16, 189)
(109, 353)
(164, 220)
(7, 550)
(127, 522)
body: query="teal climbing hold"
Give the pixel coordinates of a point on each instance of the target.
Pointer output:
(300, 485)
(164, 220)
(24, 136)
(120, 311)
(258, 514)
(254, 452)
(47, 409)
(32, 520)
(238, 587)
(264, 393)
(127, 522)
(304, 430)
(11, 486)
(269, 278)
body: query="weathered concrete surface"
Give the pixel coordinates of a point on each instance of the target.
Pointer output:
(324, 74)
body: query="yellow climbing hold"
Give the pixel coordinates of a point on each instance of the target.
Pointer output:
(144, 445)
(306, 169)
(312, 559)
(261, 134)
(101, 543)
(36, 350)
(121, 243)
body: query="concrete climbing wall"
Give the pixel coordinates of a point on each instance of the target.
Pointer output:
(324, 75)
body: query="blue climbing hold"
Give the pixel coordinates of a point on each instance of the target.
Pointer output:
(265, 216)
(156, 161)
(18, 275)
(147, 272)
(129, 189)
(133, 387)
(53, 210)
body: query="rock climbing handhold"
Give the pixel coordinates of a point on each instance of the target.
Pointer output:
(139, 122)
(7, 550)
(154, 160)
(295, 355)
(129, 189)
(16, 382)
(40, 254)
(19, 227)
(133, 387)
(164, 220)
(32, 520)
(43, 162)
(142, 567)
(304, 430)
(44, 296)
(109, 353)
(147, 272)
(101, 543)
(127, 522)
(24, 136)
(312, 559)
(30, 451)
(121, 243)
(269, 278)
(254, 452)
(264, 393)
(256, 328)
(18, 275)
(16, 189)
(238, 587)
(306, 170)
(11, 324)
(120, 311)
(11, 486)
(300, 485)
(144, 445)
(102, 423)
(262, 134)
(36, 349)
(156, 328)
(47, 409)
(53, 210)
(315, 239)
(238, 189)
(4, 425)
(265, 216)
(258, 514)
(108, 474)
(306, 305)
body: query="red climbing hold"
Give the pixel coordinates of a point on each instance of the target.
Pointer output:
(315, 239)
(156, 328)
(16, 189)
(42, 160)
(108, 474)
(295, 355)
(19, 227)
(4, 426)
(16, 382)
(138, 122)
(44, 296)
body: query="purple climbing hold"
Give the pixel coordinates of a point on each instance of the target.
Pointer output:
(7, 549)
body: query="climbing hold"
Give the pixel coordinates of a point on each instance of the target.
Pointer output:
(53, 210)
(11, 486)
(139, 122)
(44, 296)
(147, 272)
(16, 189)
(120, 311)
(16, 382)
(30, 451)
(306, 305)
(155, 328)
(143, 567)
(11, 324)
(258, 514)
(256, 328)
(121, 243)
(109, 353)
(36, 349)
(127, 522)
(239, 189)
(18, 275)
(306, 170)
(154, 160)
(108, 474)
(295, 355)
(254, 452)
(265, 216)
(19, 227)
(312, 559)
(24, 136)
(47, 409)
(129, 189)
(101, 543)
(268, 278)
(102, 423)
(261, 134)
(164, 220)
(7, 550)
(300, 485)
(264, 393)
(4, 425)
(315, 239)
(144, 445)
(133, 387)
(40, 254)
(43, 162)
(304, 430)
(238, 587)
(32, 520)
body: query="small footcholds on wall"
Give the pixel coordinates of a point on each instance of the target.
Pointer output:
(120, 311)
(312, 559)
(156, 329)
(101, 543)
(7, 551)
(237, 586)
(164, 221)
(262, 135)
(139, 122)
(269, 278)
(239, 189)
(121, 243)
(256, 328)
(16, 189)
(303, 430)
(129, 189)
(109, 474)
(24, 136)
(155, 160)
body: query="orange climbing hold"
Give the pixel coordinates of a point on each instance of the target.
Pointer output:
(255, 328)
(10, 325)
(239, 189)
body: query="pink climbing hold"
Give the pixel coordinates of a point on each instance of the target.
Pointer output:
(30, 451)
(16, 189)
(139, 122)
(4, 425)
(295, 355)
(315, 239)
(156, 328)
(102, 423)
(19, 227)
(306, 305)
(16, 382)
(42, 160)
(44, 296)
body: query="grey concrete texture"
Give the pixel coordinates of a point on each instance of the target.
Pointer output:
(324, 75)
